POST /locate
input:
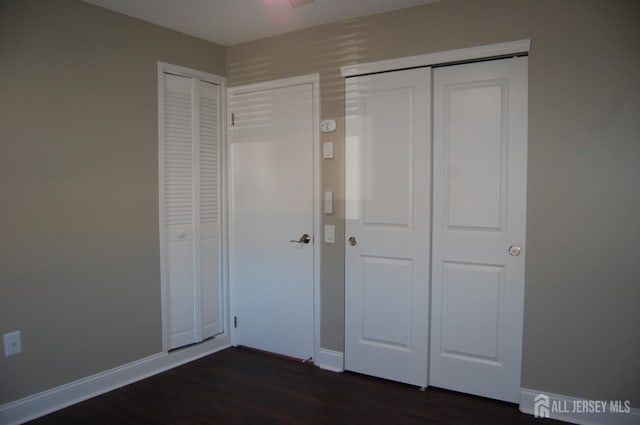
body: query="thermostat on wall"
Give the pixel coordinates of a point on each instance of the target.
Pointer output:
(327, 126)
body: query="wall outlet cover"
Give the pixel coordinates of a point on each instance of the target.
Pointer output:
(12, 343)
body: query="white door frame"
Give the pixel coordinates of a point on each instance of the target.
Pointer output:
(163, 67)
(314, 79)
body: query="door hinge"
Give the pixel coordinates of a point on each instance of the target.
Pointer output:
(233, 119)
(235, 321)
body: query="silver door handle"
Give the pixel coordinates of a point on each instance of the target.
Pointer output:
(303, 239)
(514, 250)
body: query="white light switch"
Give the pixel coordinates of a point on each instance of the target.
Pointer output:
(327, 150)
(329, 233)
(12, 344)
(328, 202)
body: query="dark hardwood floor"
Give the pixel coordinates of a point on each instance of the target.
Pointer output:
(237, 386)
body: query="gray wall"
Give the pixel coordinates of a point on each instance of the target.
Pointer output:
(79, 261)
(79, 269)
(582, 308)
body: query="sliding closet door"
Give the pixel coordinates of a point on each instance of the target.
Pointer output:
(479, 206)
(388, 214)
(190, 208)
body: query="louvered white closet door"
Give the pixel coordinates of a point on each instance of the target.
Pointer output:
(191, 186)
(178, 174)
(209, 209)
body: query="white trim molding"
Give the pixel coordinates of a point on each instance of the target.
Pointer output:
(450, 56)
(40, 404)
(330, 360)
(563, 408)
(317, 212)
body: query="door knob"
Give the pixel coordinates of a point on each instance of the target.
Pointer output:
(514, 250)
(352, 241)
(303, 239)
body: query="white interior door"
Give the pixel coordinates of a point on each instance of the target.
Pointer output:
(388, 182)
(479, 198)
(272, 190)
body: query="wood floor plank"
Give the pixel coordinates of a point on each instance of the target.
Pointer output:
(242, 387)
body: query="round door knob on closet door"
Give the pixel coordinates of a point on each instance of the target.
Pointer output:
(353, 241)
(514, 250)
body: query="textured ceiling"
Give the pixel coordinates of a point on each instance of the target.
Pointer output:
(229, 22)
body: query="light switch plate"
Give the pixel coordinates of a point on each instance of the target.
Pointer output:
(327, 150)
(329, 233)
(328, 202)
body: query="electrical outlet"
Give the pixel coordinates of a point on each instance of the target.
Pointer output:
(12, 344)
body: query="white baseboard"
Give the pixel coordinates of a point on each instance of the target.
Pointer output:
(330, 360)
(566, 405)
(40, 404)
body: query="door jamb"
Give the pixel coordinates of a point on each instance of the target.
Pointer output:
(314, 79)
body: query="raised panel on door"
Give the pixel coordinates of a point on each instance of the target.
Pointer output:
(478, 290)
(475, 154)
(271, 168)
(386, 299)
(479, 193)
(211, 291)
(180, 288)
(388, 180)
